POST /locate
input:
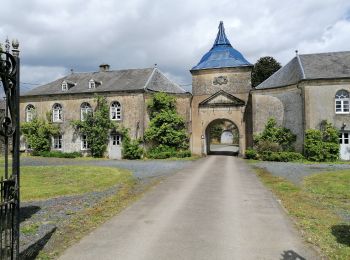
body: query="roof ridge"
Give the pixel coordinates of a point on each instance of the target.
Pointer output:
(301, 66)
(149, 79)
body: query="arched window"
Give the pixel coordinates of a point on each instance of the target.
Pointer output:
(57, 114)
(30, 113)
(116, 111)
(342, 102)
(85, 108)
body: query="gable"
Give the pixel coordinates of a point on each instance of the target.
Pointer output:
(222, 99)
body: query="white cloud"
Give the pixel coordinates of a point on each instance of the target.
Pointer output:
(58, 35)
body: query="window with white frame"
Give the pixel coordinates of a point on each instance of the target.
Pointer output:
(57, 142)
(84, 143)
(344, 138)
(92, 84)
(30, 113)
(116, 111)
(85, 108)
(342, 102)
(57, 113)
(116, 139)
(64, 86)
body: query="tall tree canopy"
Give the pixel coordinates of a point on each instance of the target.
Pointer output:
(263, 69)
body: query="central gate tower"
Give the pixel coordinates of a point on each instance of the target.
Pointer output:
(221, 82)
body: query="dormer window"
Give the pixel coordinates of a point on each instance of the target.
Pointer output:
(93, 83)
(66, 85)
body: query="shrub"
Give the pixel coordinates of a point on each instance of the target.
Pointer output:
(322, 145)
(57, 154)
(183, 154)
(251, 154)
(163, 152)
(278, 138)
(266, 145)
(38, 133)
(132, 150)
(281, 156)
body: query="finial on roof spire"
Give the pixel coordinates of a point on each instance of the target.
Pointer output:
(221, 38)
(296, 52)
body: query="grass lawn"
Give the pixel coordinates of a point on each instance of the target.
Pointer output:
(43, 182)
(320, 208)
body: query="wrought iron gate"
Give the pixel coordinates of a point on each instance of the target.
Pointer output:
(10, 136)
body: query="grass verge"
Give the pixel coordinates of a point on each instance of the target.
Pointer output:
(315, 207)
(43, 182)
(87, 220)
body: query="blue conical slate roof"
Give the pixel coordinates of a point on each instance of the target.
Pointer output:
(222, 54)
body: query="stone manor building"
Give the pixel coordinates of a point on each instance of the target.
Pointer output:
(307, 90)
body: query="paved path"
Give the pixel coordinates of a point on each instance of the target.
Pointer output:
(214, 209)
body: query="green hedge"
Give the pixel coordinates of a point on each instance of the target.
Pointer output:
(281, 156)
(251, 154)
(163, 152)
(57, 154)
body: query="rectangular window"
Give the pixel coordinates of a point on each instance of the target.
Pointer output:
(57, 142)
(57, 115)
(340, 138)
(84, 143)
(342, 106)
(116, 139)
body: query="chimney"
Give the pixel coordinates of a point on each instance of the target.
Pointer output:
(104, 67)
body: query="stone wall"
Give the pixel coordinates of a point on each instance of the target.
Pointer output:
(238, 80)
(285, 105)
(320, 103)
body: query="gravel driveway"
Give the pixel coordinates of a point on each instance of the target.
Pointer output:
(295, 172)
(47, 215)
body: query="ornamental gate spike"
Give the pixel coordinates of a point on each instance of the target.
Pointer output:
(9, 145)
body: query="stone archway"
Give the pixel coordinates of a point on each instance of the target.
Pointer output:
(222, 137)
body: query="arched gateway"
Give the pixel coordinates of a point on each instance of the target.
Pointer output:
(222, 137)
(221, 82)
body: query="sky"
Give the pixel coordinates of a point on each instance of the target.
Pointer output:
(56, 36)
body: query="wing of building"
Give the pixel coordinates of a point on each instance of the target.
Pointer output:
(309, 89)
(126, 91)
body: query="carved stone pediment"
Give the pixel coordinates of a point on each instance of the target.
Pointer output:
(222, 99)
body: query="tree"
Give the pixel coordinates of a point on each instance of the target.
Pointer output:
(166, 127)
(96, 127)
(263, 69)
(38, 133)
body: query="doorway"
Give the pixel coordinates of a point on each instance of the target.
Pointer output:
(115, 146)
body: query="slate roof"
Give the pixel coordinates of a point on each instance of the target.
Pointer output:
(222, 54)
(149, 79)
(329, 65)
